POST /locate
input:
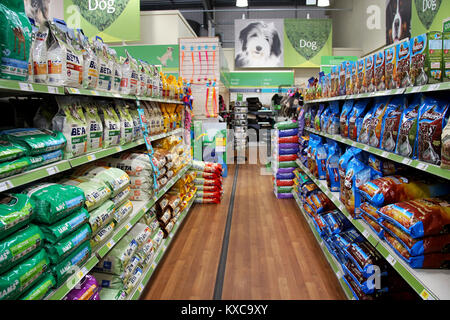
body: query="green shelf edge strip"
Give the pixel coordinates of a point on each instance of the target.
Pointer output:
(23, 86)
(333, 263)
(378, 244)
(424, 166)
(162, 250)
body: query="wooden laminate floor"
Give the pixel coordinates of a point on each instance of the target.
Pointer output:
(272, 253)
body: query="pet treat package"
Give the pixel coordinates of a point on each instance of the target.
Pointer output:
(356, 118)
(391, 122)
(407, 132)
(15, 41)
(365, 257)
(317, 121)
(393, 189)
(348, 77)
(64, 55)
(71, 122)
(332, 122)
(419, 218)
(35, 141)
(390, 55)
(16, 211)
(360, 76)
(52, 202)
(344, 117)
(342, 73)
(402, 64)
(368, 81)
(67, 267)
(432, 120)
(111, 125)
(344, 160)
(60, 250)
(86, 290)
(363, 133)
(20, 246)
(379, 71)
(426, 58)
(321, 161)
(61, 229)
(94, 126)
(41, 289)
(357, 173)
(336, 221)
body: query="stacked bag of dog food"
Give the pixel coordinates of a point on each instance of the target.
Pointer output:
(208, 181)
(285, 148)
(411, 215)
(29, 148)
(87, 289)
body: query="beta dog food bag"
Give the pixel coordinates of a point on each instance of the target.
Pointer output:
(130, 76)
(391, 122)
(117, 70)
(426, 58)
(111, 126)
(90, 62)
(402, 64)
(94, 126)
(379, 71)
(407, 132)
(16, 211)
(116, 179)
(105, 66)
(126, 122)
(390, 55)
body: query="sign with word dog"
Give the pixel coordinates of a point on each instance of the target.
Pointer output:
(428, 15)
(112, 20)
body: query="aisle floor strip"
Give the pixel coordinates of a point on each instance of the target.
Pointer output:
(218, 288)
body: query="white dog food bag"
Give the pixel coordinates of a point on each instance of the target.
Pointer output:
(148, 79)
(130, 75)
(64, 57)
(71, 122)
(105, 65)
(117, 70)
(94, 125)
(137, 132)
(38, 55)
(111, 125)
(142, 78)
(90, 62)
(126, 122)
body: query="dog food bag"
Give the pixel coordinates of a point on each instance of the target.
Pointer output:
(130, 75)
(391, 122)
(52, 202)
(133, 163)
(41, 289)
(71, 122)
(323, 118)
(341, 80)
(90, 62)
(86, 289)
(357, 292)
(102, 235)
(94, 126)
(61, 229)
(344, 117)
(368, 81)
(390, 66)
(419, 218)
(44, 159)
(16, 211)
(116, 70)
(68, 266)
(332, 165)
(373, 224)
(121, 213)
(15, 41)
(365, 257)
(363, 133)
(446, 56)
(60, 250)
(356, 118)
(336, 221)
(360, 76)
(101, 216)
(432, 120)
(19, 246)
(381, 167)
(354, 77)
(332, 121)
(10, 151)
(137, 130)
(321, 203)
(121, 197)
(376, 121)
(95, 192)
(111, 125)
(407, 132)
(321, 161)
(392, 189)
(379, 71)
(114, 178)
(64, 56)
(445, 152)
(126, 122)
(402, 64)
(39, 54)
(105, 65)
(17, 280)
(357, 174)
(36, 141)
(426, 58)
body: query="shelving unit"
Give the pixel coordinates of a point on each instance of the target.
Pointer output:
(426, 282)
(331, 260)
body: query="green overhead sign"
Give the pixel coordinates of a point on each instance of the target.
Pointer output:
(260, 79)
(428, 15)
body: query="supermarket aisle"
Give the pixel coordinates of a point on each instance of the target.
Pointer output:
(272, 253)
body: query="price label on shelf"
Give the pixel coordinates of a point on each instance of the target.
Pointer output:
(52, 170)
(110, 243)
(91, 157)
(118, 149)
(426, 295)
(366, 147)
(406, 161)
(434, 87)
(140, 288)
(82, 273)
(385, 154)
(52, 89)
(422, 166)
(391, 260)
(128, 226)
(339, 274)
(365, 234)
(74, 90)
(26, 86)
(5, 185)
(94, 93)
(415, 89)
(116, 95)
(153, 265)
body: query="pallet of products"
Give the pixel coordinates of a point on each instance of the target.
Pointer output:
(285, 147)
(208, 181)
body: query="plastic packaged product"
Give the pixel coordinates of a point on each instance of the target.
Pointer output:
(321, 161)
(357, 292)
(391, 122)
(393, 189)
(332, 124)
(379, 71)
(64, 247)
(316, 120)
(16, 211)
(68, 266)
(133, 280)
(402, 64)
(105, 65)
(321, 203)
(368, 74)
(61, 229)
(288, 132)
(134, 164)
(134, 263)
(36, 141)
(94, 126)
(117, 259)
(307, 208)
(41, 289)
(419, 218)
(381, 167)
(126, 122)
(365, 285)
(432, 120)
(370, 211)
(116, 70)
(95, 192)
(363, 132)
(357, 174)
(17, 280)
(13, 167)
(90, 62)
(356, 118)
(86, 290)
(445, 152)
(407, 132)
(20, 246)
(374, 130)
(130, 76)
(320, 225)
(121, 213)
(324, 119)
(137, 131)
(52, 202)
(102, 234)
(426, 58)
(389, 67)
(10, 151)
(332, 166)
(375, 226)
(286, 125)
(45, 159)
(111, 126)
(116, 179)
(101, 216)
(121, 197)
(365, 257)
(336, 221)
(110, 281)
(15, 41)
(344, 239)
(112, 294)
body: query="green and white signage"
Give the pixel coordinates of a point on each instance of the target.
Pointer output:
(428, 15)
(262, 79)
(112, 20)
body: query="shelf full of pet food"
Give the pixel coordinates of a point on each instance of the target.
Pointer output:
(421, 165)
(417, 89)
(139, 209)
(147, 274)
(430, 284)
(331, 260)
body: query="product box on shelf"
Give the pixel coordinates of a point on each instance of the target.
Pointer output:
(402, 62)
(426, 58)
(389, 67)
(446, 56)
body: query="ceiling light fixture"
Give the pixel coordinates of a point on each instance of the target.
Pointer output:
(241, 3)
(323, 3)
(310, 2)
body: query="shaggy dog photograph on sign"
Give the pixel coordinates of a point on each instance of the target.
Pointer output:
(37, 10)
(258, 43)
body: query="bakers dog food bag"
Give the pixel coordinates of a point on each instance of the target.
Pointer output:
(94, 125)
(344, 117)
(426, 58)
(390, 55)
(105, 65)
(391, 123)
(17, 280)
(336, 221)
(16, 211)
(65, 58)
(381, 167)
(368, 81)
(15, 41)
(332, 166)
(321, 161)
(419, 218)
(35, 141)
(407, 132)
(365, 258)
(370, 215)
(356, 118)
(379, 71)
(90, 62)
(133, 163)
(41, 289)
(376, 122)
(332, 122)
(357, 173)
(63, 248)
(126, 122)
(71, 122)
(360, 76)
(402, 64)
(111, 125)
(62, 228)
(95, 192)
(432, 121)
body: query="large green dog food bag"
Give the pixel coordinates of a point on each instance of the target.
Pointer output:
(95, 192)
(36, 141)
(13, 167)
(63, 248)
(10, 151)
(14, 282)
(66, 226)
(52, 202)
(20, 246)
(41, 289)
(67, 267)
(15, 212)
